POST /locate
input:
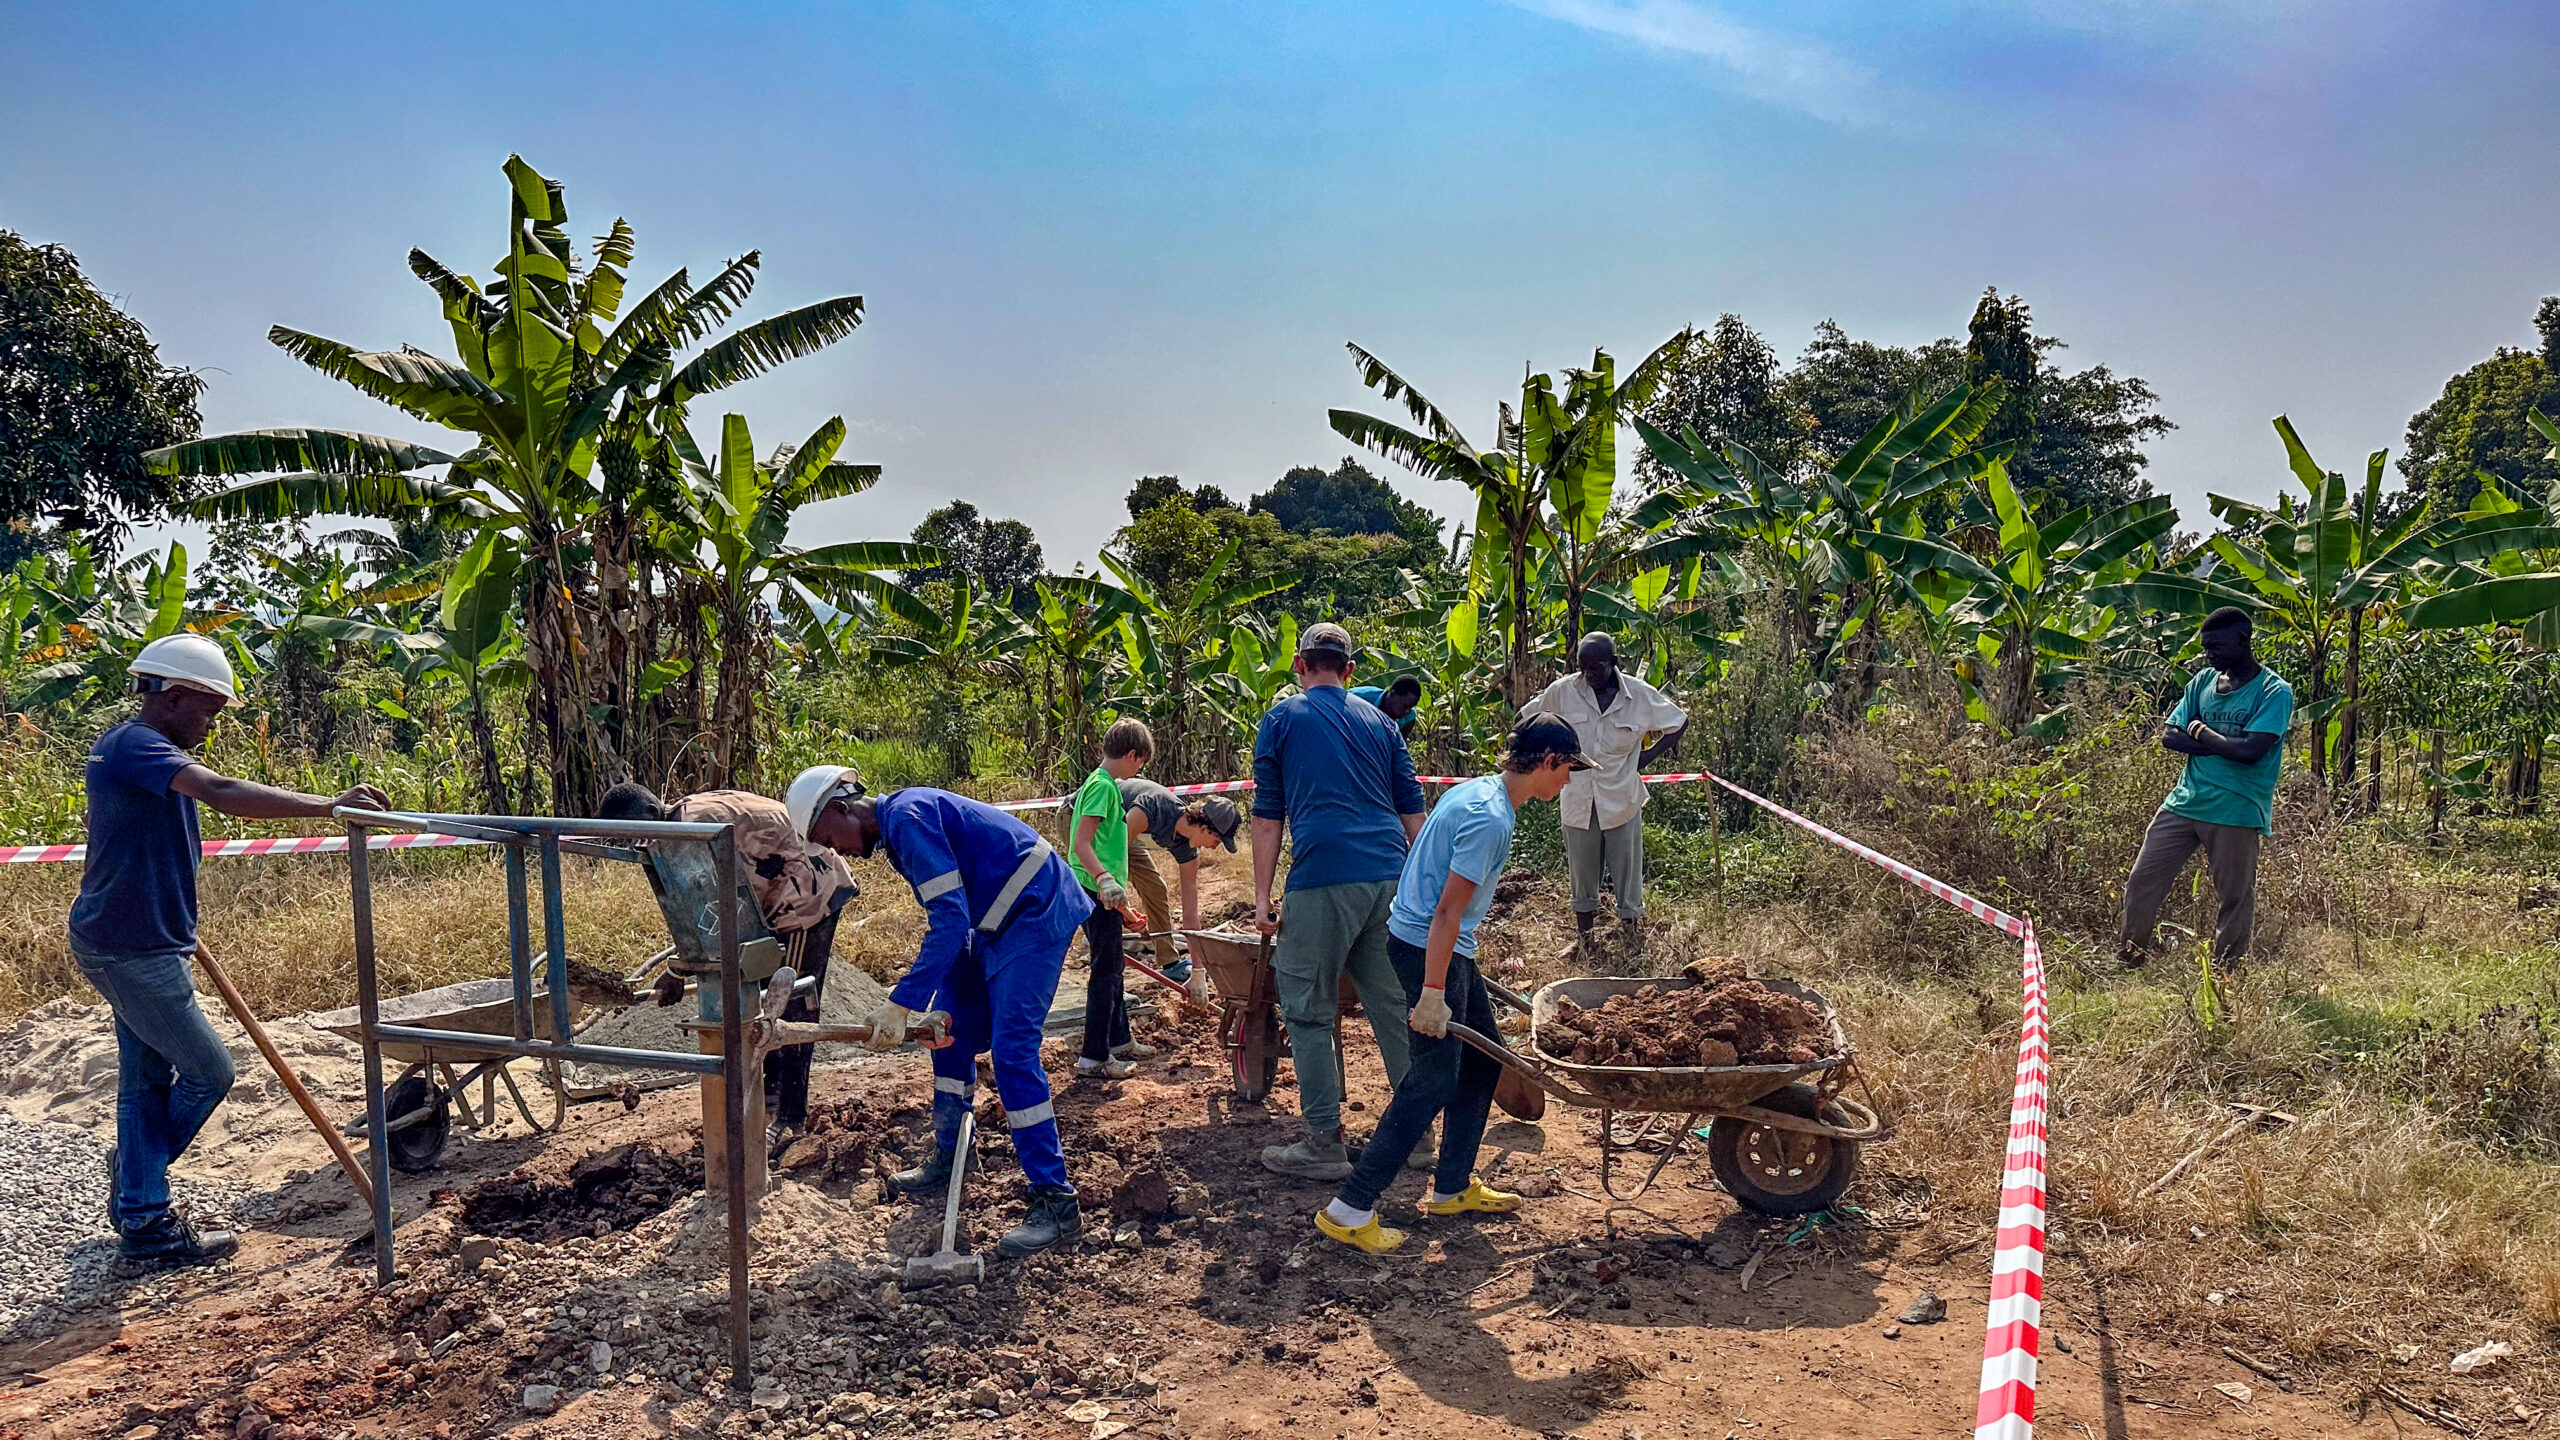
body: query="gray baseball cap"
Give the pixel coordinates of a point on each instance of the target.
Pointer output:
(1327, 637)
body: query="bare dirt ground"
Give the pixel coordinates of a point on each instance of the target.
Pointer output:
(584, 1275)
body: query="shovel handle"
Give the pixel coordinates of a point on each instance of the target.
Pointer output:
(292, 1083)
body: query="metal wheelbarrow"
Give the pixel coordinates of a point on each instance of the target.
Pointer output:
(1785, 1139)
(1246, 992)
(421, 1103)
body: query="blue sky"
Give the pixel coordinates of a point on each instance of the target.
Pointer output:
(1106, 240)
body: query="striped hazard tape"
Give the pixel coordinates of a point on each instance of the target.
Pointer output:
(2005, 1405)
(215, 849)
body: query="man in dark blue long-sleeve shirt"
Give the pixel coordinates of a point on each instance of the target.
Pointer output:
(1332, 769)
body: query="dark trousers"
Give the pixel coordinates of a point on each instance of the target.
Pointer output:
(1106, 1004)
(1446, 1076)
(786, 1072)
(2230, 857)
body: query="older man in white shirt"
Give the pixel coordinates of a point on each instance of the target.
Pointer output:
(1622, 723)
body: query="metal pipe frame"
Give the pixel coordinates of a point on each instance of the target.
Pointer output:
(552, 838)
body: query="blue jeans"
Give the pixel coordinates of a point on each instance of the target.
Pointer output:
(1446, 1075)
(171, 1070)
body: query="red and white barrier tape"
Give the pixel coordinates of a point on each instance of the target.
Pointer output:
(2005, 1405)
(294, 845)
(1046, 802)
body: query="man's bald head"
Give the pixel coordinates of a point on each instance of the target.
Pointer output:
(1597, 657)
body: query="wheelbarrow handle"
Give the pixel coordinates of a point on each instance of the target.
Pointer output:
(1505, 994)
(1527, 1069)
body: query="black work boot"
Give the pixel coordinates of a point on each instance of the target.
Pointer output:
(169, 1242)
(928, 1178)
(1054, 1220)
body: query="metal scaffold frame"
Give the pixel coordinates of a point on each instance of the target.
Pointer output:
(551, 838)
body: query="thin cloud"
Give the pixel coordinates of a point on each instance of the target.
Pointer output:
(1763, 66)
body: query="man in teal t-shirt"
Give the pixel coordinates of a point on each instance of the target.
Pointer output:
(2230, 725)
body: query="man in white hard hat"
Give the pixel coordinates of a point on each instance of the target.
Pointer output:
(133, 931)
(1001, 906)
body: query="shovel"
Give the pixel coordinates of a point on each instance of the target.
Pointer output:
(947, 1266)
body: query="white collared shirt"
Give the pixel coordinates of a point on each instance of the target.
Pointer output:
(1612, 791)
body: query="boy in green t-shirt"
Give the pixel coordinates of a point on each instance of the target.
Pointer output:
(2230, 725)
(1098, 851)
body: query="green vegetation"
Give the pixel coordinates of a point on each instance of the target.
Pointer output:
(1923, 593)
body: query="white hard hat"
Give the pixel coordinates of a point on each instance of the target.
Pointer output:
(813, 788)
(186, 659)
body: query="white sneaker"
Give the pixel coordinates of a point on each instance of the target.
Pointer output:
(1106, 1069)
(1134, 1050)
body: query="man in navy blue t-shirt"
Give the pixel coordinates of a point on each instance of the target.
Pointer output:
(133, 930)
(1332, 769)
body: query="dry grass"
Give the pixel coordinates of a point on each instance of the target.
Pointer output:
(2396, 1004)
(284, 932)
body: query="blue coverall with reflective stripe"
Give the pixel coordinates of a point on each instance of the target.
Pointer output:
(990, 961)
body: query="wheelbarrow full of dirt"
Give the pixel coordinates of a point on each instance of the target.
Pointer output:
(421, 1103)
(1782, 1139)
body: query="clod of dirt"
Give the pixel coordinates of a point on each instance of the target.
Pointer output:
(617, 1188)
(1146, 1195)
(1723, 1019)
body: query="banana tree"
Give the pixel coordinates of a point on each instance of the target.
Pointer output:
(1832, 553)
(1569, 448)
(732, 517)
(467, 636)
(102, 619)
(550, 370)
(1073, 629)
(304, 669)
(2026, 604)
(1436, 639)
(1508, 519)
(1170, 631)
(1254, 674)
(971, 639)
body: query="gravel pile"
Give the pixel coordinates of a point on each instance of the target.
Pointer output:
(55, 1247)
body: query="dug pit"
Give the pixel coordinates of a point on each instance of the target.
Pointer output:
(614, 1189)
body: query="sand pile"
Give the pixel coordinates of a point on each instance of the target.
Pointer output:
(58, 1066)
(1725, 1018)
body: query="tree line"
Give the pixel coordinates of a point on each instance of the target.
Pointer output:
(595, 577)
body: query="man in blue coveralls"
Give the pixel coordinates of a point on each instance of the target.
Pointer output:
(1002, 906)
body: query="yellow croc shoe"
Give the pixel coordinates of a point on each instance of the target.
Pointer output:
(1372, 1238)
(1477, 1196)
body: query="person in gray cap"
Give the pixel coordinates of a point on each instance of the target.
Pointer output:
(1181, 831)
(1334, 772)
(1623, 723)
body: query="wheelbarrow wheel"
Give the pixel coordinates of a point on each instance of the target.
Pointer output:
(418, 1147)
(1256, 1055)
(1781, 1172)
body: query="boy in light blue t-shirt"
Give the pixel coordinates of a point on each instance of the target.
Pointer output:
(1446, 888)
(2230, 725)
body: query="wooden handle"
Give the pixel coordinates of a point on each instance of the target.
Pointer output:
(292, 1082)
